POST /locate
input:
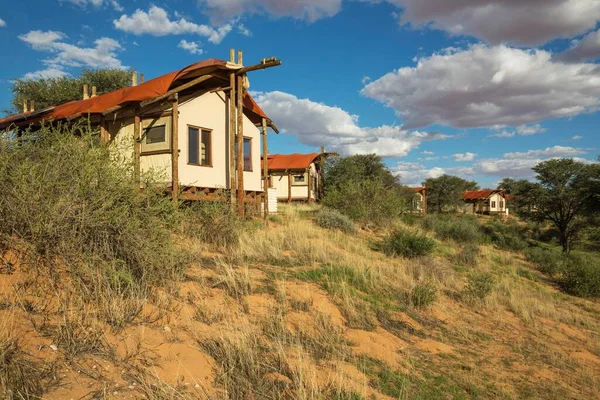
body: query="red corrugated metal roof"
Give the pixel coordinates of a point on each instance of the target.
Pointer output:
(135, 94)
(478, 194)
(282, 162)
(417, 189)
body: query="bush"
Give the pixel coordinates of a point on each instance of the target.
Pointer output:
(333, 219)
(547, 261)
(404, 243)
(73, 204)
(212, 222)
(461, 230)
(423, 294)
(581, 276)
(479, 285)
(468, 254)
(506, 236)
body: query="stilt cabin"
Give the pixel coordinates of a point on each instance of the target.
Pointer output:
(419, 200)
(487, 202)
(297, 177)
(197, 127)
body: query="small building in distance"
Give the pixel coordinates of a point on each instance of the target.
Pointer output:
(297, 177)
(486, 202)
(419, 200)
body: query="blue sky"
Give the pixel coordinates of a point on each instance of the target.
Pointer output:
(483, 89)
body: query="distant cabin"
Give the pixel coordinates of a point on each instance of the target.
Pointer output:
(297, 177)
(179, 126)
(419, 200)
(486, 202)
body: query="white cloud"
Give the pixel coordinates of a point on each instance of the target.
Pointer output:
(317, 124)
(427, 153)
(463, 157)
(588, 48)
(365, 79)
(521, 22)
(308, 10)
(556, 151)
(487, 86)
(50, 72)
(413, 174)
(522, 130)
(190, 47)
(65, 55)
(2, 23)
(577, 137)
(156, 22)
(96, 3)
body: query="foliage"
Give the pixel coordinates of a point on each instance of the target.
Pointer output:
(546, 260)
(212, 222)
(76, 206)
(464, 229)
(365, 190)
(581, 276)
(48, 92)
(406, 243)
(423, 294)
(333, 219)
(444, 193)
(506, 236)
(467, 255)
(479, 285)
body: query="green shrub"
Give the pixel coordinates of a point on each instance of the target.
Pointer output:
(479, 285)
(333, 219)
(462, 230)
(547, 261)
(405, 243)
(581, 276)
(467, 255)
(212, 222)
(423, 294)
(506, 236)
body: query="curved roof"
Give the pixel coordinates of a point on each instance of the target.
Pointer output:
(291, 161)
(479, 194)
(135, 94)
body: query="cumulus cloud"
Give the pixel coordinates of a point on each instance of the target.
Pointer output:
(96, 3)
(488, 86)
(65, 55)
(521, 22)
(318, 124)
(156, 22)
(2, 23)
(307, 10)
(522, 130)
(577, 137)
(46, 73)
(556, 151)
(463, 157)
(586, 49)
(190, 47)
(427, 153)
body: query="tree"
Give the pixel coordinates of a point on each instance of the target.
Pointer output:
(444, 193)
(509, 185)
(46, 92)
(565, 196)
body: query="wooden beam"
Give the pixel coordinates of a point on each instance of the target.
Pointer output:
(309, 184)
(175, 149)
(178, 89)
(240, 140)
(137, 146)
(232, 133)
(267, 63)
(104, 134)
(31, 106)
(85, 91)
(289, 187)
(24, 105)
(265, 168)
(141, 78)
(134, 79)
(94, 91)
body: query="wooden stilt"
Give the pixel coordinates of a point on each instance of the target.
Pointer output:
(240, 139)
(137, 145)
(94, 91)
(232, 132)
(289, 187)
(309, 177)
(265, 168)
(104, 135)
(141, 78)
(31, 106)
(86, 94)
(134, 79)
(24, 105)
(175, 150)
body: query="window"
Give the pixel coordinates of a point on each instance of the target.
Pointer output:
(156, 134)
(493, 204)
(501, 205)
(299, 179)
(247, 154)
(199, 146)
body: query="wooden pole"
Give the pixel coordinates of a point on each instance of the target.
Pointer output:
(289, 187)
(24, 105)
(240, 139)
(232, 132)
(175, 150)
(94, 91)
(32, 106)
(134, 79)
(85, 91)
(141, 78)
(137, 146)
(104, 135)
(309, 183)
(424, 205)
(265, 167)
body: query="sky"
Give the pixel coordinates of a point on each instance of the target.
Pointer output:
(482, 89)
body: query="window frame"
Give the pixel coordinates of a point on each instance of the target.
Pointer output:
(493, 204)
(160, 147)
(210, 146)
(244, 154)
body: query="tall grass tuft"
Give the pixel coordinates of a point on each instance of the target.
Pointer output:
(406, 243)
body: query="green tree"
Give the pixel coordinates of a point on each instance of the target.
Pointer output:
(444, 193)
(565, 196)
(46, 92)
(509, 185)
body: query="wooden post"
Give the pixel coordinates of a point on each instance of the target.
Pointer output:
(137, 146)
(175, 150)
(289, 187)
(134, 79)
(232, 132)
(265, 167)
(94, 91)
(240, 139)
(32, 106)
(309, 183)
(104, 135)
(424, 202)
(141, 78)
(85, 91)
(24, 105)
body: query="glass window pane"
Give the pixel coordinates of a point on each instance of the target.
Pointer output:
(247, 154)
(193, 146)
(156, 134)
(205, 150)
